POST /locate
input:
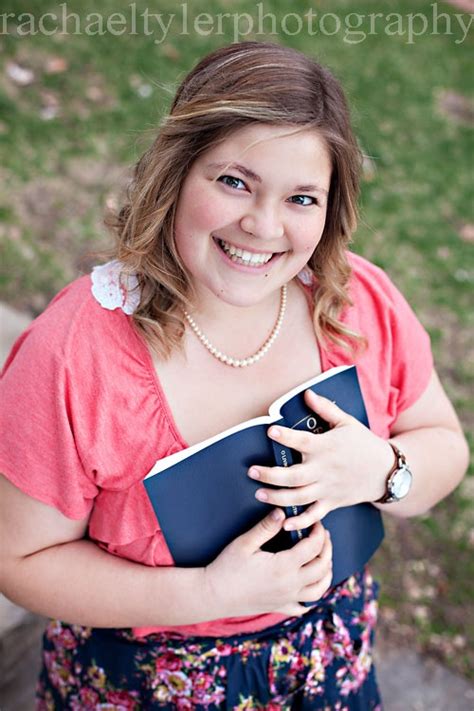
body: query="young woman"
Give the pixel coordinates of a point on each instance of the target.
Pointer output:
(230, 284)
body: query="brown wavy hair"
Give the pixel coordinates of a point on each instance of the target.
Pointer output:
(234, 86)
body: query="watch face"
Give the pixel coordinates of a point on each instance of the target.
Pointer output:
(401, 482)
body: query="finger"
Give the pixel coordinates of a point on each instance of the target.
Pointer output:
(327, 409)
(322, 559)
(262, 532)
(293, 610)
(305, 550)
(316, 569)
(301, 440)
(314, 513)
(296, 475)
(287, 497)
(319, 570)
(313, 593)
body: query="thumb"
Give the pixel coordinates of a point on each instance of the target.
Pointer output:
(263, 531)
(327, 409)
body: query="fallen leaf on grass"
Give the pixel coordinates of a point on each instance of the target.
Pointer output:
(421, 613)
(50, 108)
(143, 89)
(466, 232)
(56, 65)
(49, 98)
(21, 76)
(97, 91)
(465, 5)
(443, 252)
(459, 641)
(48, 113)
(368, 168)
(456, 106)
(170, 51)
(94, 93)
(464, 275)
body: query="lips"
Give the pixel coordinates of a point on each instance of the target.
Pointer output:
(245, 257)
(245, 254)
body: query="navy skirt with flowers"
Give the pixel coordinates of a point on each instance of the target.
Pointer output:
(322, 660)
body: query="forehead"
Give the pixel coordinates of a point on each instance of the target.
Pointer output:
(262, 141)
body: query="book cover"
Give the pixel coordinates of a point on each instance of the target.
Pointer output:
(203, 498)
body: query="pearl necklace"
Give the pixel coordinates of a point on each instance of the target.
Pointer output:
(235, 362)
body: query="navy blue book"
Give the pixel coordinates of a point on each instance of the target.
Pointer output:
(203, 498)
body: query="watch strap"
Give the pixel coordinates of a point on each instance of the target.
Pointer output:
(400, 461)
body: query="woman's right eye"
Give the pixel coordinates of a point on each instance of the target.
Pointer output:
(230, 180)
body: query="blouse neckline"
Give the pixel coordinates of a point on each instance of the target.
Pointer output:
(324, 358)
(113, 289)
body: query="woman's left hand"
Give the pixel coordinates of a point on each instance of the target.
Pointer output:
(346, 465)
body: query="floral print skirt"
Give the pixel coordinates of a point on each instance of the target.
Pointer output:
(322, 660)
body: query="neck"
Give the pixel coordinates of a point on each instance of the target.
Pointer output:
(237, 329)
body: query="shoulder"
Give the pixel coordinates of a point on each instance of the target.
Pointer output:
(370, 281)
(398, 359)
(377, 303)
(73, 323)
(382, 314)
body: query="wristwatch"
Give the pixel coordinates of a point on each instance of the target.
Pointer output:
(399, 479)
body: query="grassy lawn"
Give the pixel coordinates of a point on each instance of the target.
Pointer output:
(68, 135)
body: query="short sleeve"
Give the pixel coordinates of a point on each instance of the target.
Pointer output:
(38, 447)
(399, 345)
(412, 358)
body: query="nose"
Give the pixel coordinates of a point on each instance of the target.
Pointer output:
(263, 222)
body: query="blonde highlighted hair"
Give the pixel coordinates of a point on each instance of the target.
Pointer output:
(233, 87)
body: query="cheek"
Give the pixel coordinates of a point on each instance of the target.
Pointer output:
(199, 212)
(207, 217)
(308, 237)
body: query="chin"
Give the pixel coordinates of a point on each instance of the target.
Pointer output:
(238, 300)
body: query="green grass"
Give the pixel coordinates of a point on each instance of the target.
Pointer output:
(58, 174)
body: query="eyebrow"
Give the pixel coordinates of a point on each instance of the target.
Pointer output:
(253, 176)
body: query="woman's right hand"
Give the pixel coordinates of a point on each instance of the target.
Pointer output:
(244, 580)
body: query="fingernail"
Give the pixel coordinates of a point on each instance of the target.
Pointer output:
(254, 473)
(262, 496)
(274, 432)
(289, 526)
(277, 514)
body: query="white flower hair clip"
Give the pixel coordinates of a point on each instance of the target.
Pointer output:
(114, 289)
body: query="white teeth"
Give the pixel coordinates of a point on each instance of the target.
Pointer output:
(241, 256)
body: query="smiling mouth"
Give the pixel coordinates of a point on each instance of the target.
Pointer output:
(241, 256)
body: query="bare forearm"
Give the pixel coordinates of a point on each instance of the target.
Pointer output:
(80, 583)
(438, 459)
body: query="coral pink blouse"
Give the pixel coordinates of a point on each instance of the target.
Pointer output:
(84, 416)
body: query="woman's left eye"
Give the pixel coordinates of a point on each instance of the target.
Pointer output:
(230, 180)
(312, 200)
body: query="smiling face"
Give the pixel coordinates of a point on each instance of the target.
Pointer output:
(251, 212)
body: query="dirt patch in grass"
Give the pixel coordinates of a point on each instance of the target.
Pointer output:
(456, 107)
(51, 227)
(425, 566)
